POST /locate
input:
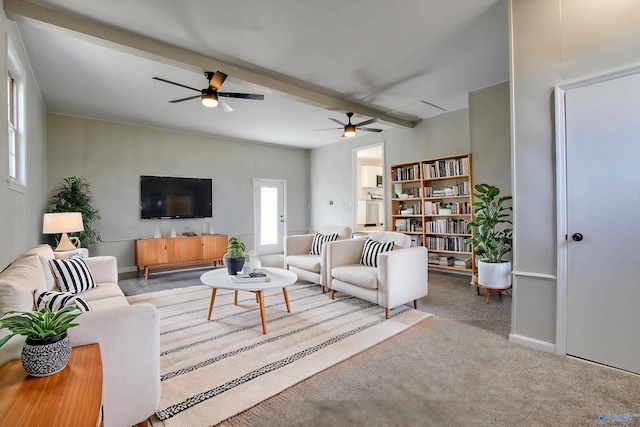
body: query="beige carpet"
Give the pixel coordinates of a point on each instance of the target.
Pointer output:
(214, 370)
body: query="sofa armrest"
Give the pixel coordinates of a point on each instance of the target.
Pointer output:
(129, 338)
(298, 244)
(104, 269)
(402, 276)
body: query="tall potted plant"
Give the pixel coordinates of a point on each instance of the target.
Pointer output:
(491, 243)
(234, 258)
(47, 349)
(74, 196)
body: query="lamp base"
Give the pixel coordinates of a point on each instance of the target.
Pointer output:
(65, 244)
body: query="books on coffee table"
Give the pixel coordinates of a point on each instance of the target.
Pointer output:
(248, 278)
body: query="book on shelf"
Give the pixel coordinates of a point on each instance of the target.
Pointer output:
(440, 260)
(462, 263)
(446, 168)
(406, 173)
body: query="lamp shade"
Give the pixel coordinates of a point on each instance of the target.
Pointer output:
(63, 222)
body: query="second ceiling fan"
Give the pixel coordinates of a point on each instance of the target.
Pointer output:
(210, 96)
(349, 129)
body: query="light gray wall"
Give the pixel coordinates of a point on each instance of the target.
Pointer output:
(21, 213)
(112, 156)
(552, 42)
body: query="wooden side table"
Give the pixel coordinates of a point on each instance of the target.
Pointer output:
(474, 282)
(72, 397)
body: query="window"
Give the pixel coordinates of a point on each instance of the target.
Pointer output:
(16, 147)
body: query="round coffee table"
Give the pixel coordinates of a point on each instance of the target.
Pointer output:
(220, 279)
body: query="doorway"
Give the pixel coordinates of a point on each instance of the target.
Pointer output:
(368, 182)
(598, 202)
(269, 220)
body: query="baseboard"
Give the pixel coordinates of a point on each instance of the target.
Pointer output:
(533, 343)
(127, 269)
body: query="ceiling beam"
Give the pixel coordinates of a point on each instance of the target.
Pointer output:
(53, 20)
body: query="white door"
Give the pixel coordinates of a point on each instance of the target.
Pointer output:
(603, 222)
(269, 216)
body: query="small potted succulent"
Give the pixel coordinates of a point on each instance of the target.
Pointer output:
(234, 258)
(47, 349)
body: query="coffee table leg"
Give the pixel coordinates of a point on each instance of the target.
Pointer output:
(235, 298)
(260, 295)
(286, 299)
(213, 298)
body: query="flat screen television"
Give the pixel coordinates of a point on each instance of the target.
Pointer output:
(166, 197)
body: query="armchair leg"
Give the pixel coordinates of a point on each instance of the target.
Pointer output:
(386, 312)
(323, 289)
(143, 424)
(332, 294)
(415, 304)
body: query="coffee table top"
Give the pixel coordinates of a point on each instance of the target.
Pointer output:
(219, 279)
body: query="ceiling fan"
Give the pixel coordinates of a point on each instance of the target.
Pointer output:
(210, 95)
(349, 130)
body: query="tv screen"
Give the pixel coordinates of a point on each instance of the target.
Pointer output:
(165, 197)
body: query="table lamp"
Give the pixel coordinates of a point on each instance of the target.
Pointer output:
(63, 222)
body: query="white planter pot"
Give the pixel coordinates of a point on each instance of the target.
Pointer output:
(494, 275)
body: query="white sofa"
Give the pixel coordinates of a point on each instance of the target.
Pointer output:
(306, 266)
(129, 335)
(400, 277)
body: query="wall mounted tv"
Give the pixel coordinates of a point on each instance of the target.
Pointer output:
(165, 197)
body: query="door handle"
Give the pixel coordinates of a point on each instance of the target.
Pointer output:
(577, 237)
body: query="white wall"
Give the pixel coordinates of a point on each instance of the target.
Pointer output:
(112, 156)
(21, 213)
(552, 42)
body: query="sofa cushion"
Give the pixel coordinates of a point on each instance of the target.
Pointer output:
(305, 262)
(356, 274)
(319, 240)
(371, 250)
(102, 291)
(56, 301)
(72, 275)
(17, 283)
(45, 253)
(101, 304)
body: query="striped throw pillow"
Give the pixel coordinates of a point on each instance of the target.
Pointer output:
(72, 274)
(56, 301)
(319, 240)
(371, 250)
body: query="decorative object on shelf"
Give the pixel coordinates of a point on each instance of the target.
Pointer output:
(157, 234)
(47, 349)
(205, 228)
(211, 230)
(74, 196)
(234, 258)
(63, 222)
(490, 243)
(172, 233)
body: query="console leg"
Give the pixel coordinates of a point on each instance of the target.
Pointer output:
(386, 312)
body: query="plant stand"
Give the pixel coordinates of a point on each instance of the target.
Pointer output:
(499, 291)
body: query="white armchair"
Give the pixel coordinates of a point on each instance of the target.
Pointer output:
(400, 277)
(299, 260)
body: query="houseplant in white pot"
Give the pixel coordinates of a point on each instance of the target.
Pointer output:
(234, 258)
(490, 241)
(47, 349)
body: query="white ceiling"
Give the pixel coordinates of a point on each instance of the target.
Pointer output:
(401, 57)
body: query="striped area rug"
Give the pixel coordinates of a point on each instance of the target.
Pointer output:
(212, 370)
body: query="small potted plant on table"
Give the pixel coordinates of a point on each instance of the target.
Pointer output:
(490, 243)
(47, 349)
(234, 258)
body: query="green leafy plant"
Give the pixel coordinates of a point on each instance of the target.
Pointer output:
(235, 248)
(38, 324)
(490, 244)
(74, 196)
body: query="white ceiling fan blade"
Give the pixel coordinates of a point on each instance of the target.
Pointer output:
(224, 106)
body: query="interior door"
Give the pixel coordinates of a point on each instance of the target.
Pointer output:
(603, 220)
(269, 216)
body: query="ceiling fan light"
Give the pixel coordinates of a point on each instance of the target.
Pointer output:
(210, 100)
(349, 130)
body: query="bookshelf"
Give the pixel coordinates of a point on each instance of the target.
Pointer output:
(432, 201)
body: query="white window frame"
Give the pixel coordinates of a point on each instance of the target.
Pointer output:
(15, 71)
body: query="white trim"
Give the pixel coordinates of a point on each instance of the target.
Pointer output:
(514, 199)
(562, 268)
(16, 186)
(17, 71)
(534, 275)
(533, 343)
